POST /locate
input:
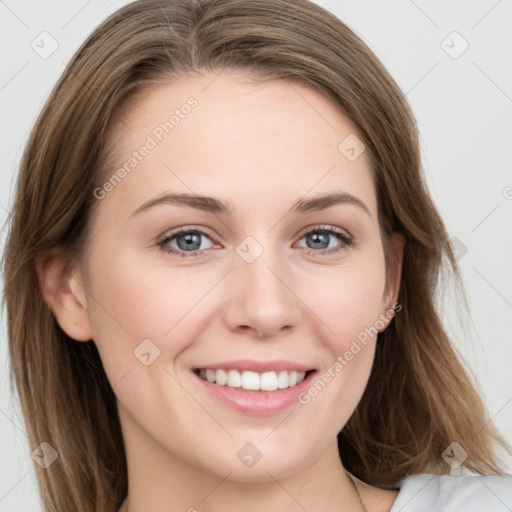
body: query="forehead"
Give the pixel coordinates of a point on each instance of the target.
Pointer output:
(234, 137)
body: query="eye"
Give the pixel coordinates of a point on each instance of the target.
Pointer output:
(321, 239)
(188, 241)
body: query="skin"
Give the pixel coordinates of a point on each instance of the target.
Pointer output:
(260, 146)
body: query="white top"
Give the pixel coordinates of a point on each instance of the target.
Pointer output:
(444, 493)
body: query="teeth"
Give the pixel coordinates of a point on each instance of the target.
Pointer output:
(249, 380)
(234, 379)
(283, 380)
(267, 381)
(221, 377)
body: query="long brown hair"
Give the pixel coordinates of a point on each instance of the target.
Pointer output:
(420, 397)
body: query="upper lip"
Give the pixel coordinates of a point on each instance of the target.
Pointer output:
(257, 366)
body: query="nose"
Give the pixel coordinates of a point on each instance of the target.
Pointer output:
(261, 296)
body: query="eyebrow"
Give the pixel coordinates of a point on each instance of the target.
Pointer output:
(218, 207)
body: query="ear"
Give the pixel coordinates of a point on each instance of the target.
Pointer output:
(63, 292)
(390, 296)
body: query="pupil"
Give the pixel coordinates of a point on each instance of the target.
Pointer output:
(317, 239)
(192, 241)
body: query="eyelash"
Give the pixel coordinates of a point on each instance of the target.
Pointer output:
(346, 241)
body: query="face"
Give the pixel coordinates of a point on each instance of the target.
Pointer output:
(262, 278)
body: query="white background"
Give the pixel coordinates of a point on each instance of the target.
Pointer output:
(464, 111)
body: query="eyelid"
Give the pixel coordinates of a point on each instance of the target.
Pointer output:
(302, 232)
(345, 237)
(320, 227)
(186, 229)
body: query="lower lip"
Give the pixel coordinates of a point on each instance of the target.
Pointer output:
(257, 402)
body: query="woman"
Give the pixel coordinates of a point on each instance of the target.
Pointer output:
(221, 277)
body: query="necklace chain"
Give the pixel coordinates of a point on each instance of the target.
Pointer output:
(358, 495)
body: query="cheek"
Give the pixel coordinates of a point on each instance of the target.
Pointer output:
(351, 310)
(135, 301)
(131, 303)
(350, 301)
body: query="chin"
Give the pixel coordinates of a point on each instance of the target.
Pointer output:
(269, 466)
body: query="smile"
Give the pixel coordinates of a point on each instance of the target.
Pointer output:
(250, 380)
(255, 392)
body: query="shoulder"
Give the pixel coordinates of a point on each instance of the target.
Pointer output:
(426, 492)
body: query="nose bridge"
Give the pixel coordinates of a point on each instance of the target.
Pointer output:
(262, 296)
(260, 274)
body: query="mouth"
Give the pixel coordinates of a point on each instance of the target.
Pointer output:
(253, 381)
(254, 392)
